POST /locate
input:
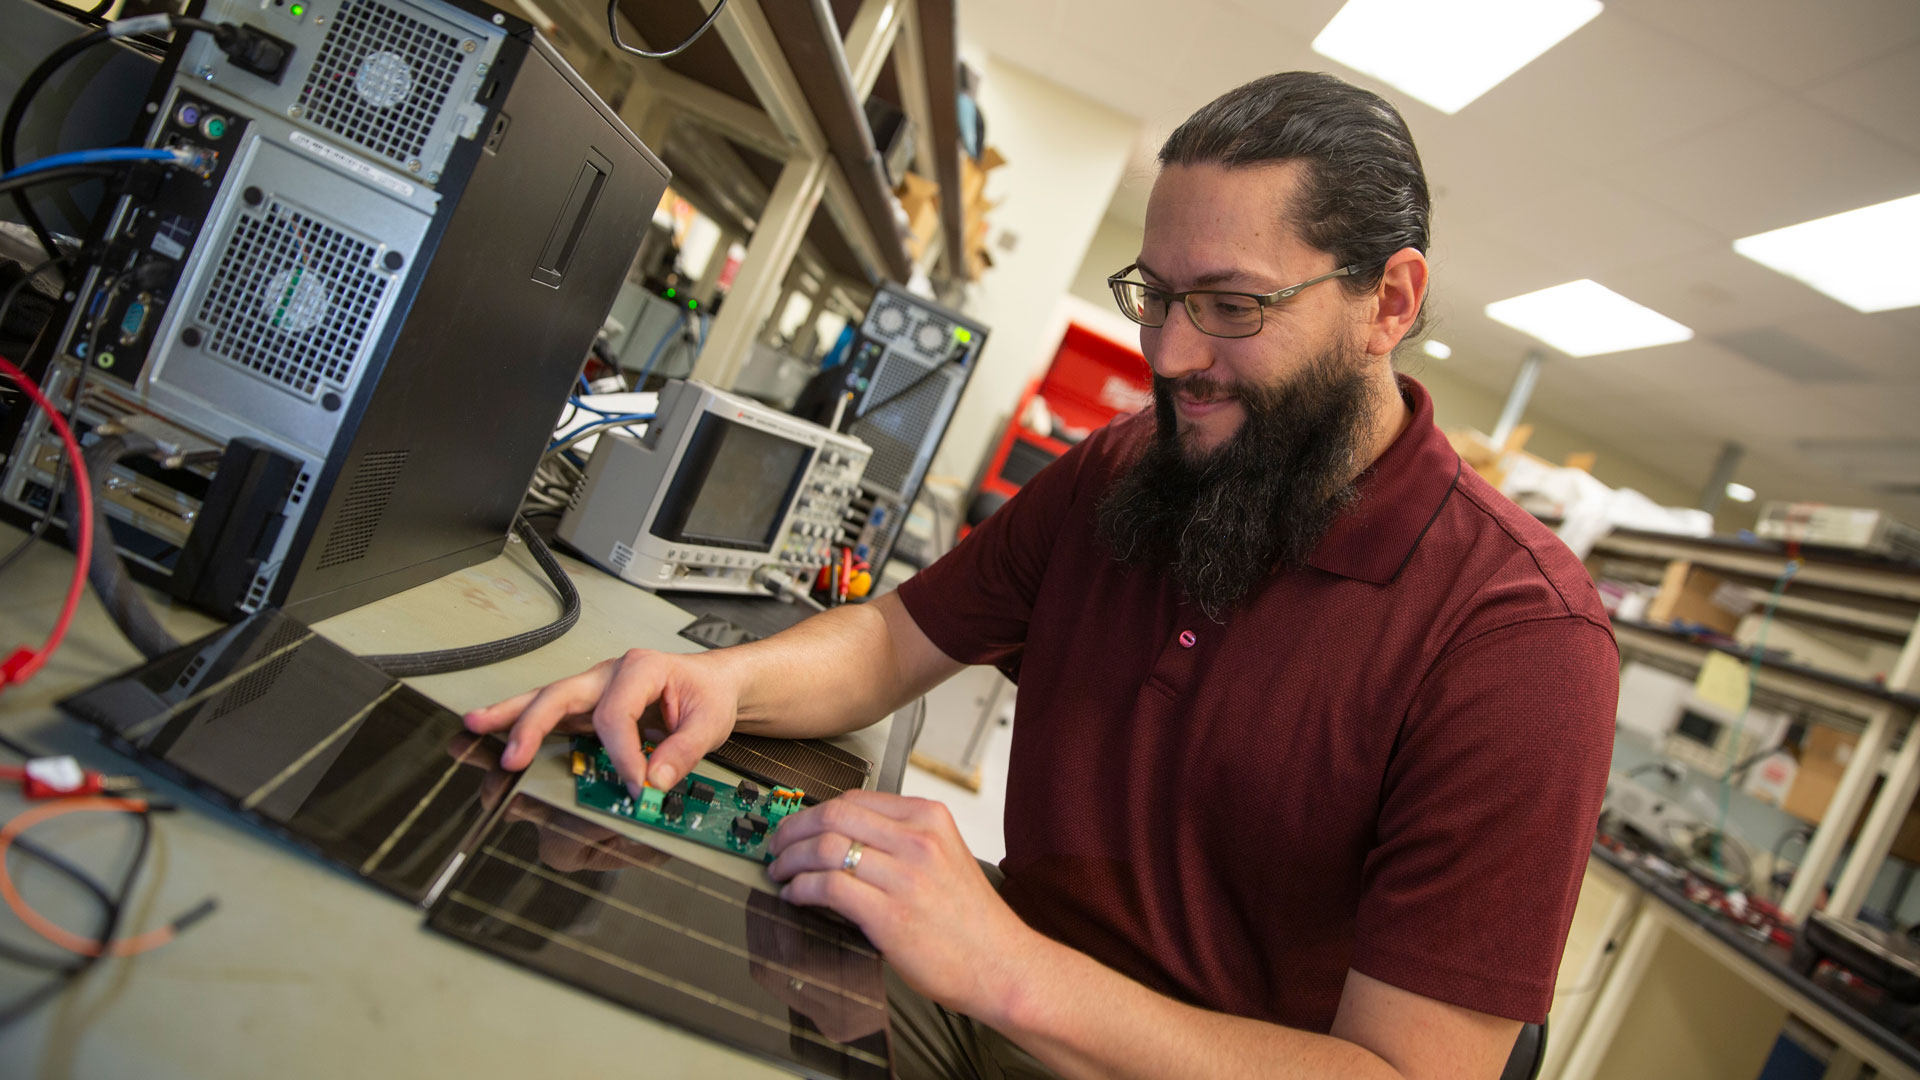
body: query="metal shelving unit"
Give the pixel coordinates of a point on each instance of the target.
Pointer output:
(762, 123)
(1855, 593)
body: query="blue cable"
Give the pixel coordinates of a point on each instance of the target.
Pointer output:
(654, 358)
(598, 425)
(585, 386)
(584, 407)
(94, 157)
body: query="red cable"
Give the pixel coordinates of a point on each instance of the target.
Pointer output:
(24, 662)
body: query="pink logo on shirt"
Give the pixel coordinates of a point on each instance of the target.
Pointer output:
(1187, 639)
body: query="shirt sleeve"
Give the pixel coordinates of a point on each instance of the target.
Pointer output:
(1487, 818)
(975, 601)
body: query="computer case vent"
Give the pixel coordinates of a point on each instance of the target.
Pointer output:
(292, 298)
(381, 80)
(363, 506)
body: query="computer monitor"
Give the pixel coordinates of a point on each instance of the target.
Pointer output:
(718, 493)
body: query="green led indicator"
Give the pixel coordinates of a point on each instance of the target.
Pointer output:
(962, 334)
(297, 10)
(691, 304)
(669, 294)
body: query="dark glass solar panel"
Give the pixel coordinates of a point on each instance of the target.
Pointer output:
(574, 900)
(297, 734)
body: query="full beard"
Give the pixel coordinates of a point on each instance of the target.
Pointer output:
(1222, 521)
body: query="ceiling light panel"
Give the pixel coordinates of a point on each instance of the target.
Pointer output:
(1585, 318)
(1862, 258)
(1439, 350)
(1448, 52)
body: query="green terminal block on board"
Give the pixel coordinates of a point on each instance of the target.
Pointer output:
(737, 820)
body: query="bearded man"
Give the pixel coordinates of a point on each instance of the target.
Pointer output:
(1313, 725)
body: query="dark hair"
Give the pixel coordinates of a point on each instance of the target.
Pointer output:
(1363, 195)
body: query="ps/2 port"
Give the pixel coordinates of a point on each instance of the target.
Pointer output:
(213, 126)
(188, 115)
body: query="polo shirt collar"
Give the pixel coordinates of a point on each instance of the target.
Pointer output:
(1400, 495)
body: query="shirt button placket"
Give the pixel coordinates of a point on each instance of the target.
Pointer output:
(1179, 659)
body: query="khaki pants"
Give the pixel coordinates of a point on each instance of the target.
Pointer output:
(931, 1042)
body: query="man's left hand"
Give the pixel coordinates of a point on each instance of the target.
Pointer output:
(917, 892)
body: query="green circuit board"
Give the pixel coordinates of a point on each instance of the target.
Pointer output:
(738, 820)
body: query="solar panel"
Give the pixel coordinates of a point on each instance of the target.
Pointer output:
(554, 892)
(292, 732)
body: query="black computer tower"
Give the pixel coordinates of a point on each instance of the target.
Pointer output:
(365, 316)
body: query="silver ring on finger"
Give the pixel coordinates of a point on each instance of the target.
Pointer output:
(852, 860)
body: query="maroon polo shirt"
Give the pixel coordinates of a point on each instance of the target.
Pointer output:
(1389, 760)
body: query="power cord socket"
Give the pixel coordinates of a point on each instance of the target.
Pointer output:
(257, 51)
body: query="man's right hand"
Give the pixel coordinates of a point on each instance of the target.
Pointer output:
(695, 696)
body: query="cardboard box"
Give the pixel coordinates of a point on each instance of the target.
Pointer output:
(1696, 596)
(973, 175)
(1811, 792)
(974, 207)
(1824, 754)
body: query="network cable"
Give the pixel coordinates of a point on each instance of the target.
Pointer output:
(658, 348)
(36, 80)
(103, 156)
(16, 183)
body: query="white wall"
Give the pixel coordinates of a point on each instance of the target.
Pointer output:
(1115, 244)
(1065, 153)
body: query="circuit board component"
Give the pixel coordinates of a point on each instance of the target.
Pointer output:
(736, 820)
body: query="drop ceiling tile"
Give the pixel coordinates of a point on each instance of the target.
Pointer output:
(1788, 42)
(1132, 93)
(1791, 355)
(1472, 268)
(1137, 34)
(1773, 167)
(1230, 49)
(1884, 411)
(1718, 292)
(1905, 320)
(1016, 29)
(1610, 89)
(1879, 96)
(1474, 172)
(1875, 345)
(1302, 18)
(1771, 418)
(1681, 373)
(1589, 229)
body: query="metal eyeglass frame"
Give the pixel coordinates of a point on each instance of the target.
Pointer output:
(1264, 300)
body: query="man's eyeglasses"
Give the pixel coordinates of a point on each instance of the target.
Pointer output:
(1215, 312)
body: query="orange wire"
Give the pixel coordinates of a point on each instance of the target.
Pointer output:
(45, 927)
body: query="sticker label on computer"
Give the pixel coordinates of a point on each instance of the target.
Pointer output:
(352, 164)
(622, 555)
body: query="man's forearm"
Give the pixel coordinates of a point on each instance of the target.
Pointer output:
(1083, 1019)
(836, 672)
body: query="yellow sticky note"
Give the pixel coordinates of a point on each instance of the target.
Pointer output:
(1723, 681)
